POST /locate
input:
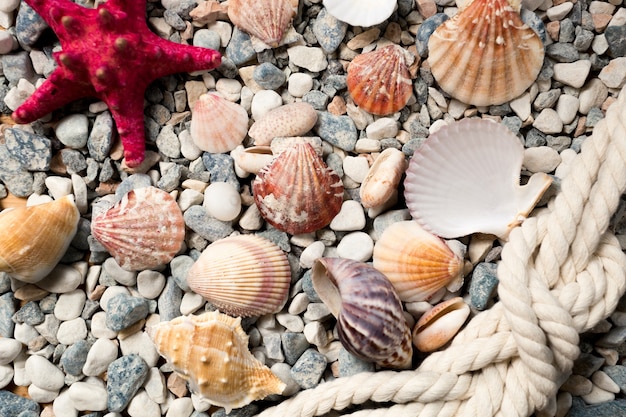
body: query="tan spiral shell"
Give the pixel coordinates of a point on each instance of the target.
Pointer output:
(266, 19)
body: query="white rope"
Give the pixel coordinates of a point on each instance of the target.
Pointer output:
(561, 272)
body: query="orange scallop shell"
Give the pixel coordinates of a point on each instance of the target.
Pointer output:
(142, 231)
(485, 55)
(266, 19)
(217, 125)
(298, 193)
(379, 81)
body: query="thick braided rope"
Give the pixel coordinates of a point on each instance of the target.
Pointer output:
(561, 273)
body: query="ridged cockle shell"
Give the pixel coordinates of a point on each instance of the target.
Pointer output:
(217, 125)
(266, 19)
(143, 230)
(379, 81)
(416, 262)
(297, 192)
(245, 275)
(210, 351)
(293, 119)
(439, 325)
(370, 320)
(485, 55)
(34, 239)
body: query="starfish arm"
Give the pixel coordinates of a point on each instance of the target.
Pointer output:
(53, 11)
(127, 111)
(176, 57)
(56, 91)
(130, 7)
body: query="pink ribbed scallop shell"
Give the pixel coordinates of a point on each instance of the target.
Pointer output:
(217, 125)
(266, 19)
(142, 231)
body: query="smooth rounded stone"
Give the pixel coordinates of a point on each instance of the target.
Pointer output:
(385, 127)
(73, 131)
(367, 146)
(249, 410)
(72, 331)
(188, 198)
(291, 322)
(180, 266)
(269, 76)
(32, 151)
(593, 117)
(548, 121)
(62, 279)
(111, 292)
(612, 408)
(124, 377)
(63, 406)
(558, 12)
(7, 309)
(298, 303)
(168, 143)
(357, 246)
(6, 375)
(150, 284)
(88, 395)
(41, 395)
(155, 386)
(299, 84)
(283, 371)
(310, 58)
(200, 221)
(99, 357)
(294, 345)
(614, 74)
(239, 49)
(206, 38)
(559, 143)
(311, 253)
(309, 368)
(222, 201)
(132, 182)
(546, 99)
(124, 310)
(100, 139)
(30, 314)
(191, 303)
(271, 343)
(7, 42)
(141, 405)
(99, 328)
(44, 374)
(171, 178)
(9, 349)
(567, 107)
(24, 333)
(586, 364)
(573, 74)
(13, 405)
(140, 343)
(180, 407)
(169, 301)
(58, 186)
(577, 385)
(616, 38)
(541, 159)
(329, 31)
(188, 148)
(356, 167)
(74, 357)
(351, 217)
(17, 66)
(617, 373)
(316, 312)
(318, 99)
(426, 29)
(603, 381)
(70, 305)
(315, 333)
(263, 102)
(598, 395)
(592, 95)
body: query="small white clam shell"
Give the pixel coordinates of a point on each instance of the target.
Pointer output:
(361, 12)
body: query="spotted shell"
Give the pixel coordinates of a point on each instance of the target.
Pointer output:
(268, 20)
(217, 125)
(370, 320)
(440, 324)
(416, 262)
(35, 238)
(245, 275)
(298, 193)
(379, 81)
(293, 119)
(210, 351)
(361, 12)
(145, 229)
(464, 179)
(485, 55)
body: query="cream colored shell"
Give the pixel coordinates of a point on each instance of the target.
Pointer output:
(361, 12)
(210, 351)
(217, 125)
(293, 119)
(268, 20)
(440, 324)
(382, 178)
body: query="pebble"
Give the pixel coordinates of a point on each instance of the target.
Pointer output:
(70, 305)
(384, 127)
(191, 303)
(310, 58)
(99, 357)
(7, 42)
(351, 365)
(521, 106)
(308, 370)
(483, 285)
(169, 300)
(612, 408)
(88, 395)
(222, 201)
(339, 131)
(426, 29)
(150, 284)
(74, 357)
(30, 314)
(329, 31)
(357, 246)
(294, 345)
(560, 11)
(315, 333)
(72, 331)
(263, 102)
(548, 121)
(13, 405)
(62, 405)
(240, 49)
(311, 253)
(62, 279)
(541, 159)
(31, 151)
(155, 386)
(616, 38)
(124, 377)
(351, 217)
(141, 405)
(299, 84)
(6, 375)
(614, 74)
(207, 39)
(592, 95)
(124, 310)
(9, 349)
(573, 74)
(356, 168)
(200, 221)
(73, 131)
(603, 381)
(598, 395)
(140, 343)
(44, 374)
(269, 76)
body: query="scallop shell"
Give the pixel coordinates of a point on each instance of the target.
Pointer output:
(266, 19)
(379, 81)
(416, 262)
(245, 275)
(370, 320)
(382, 178)
(293, 119)
(297, 193)
(439, 325)
(217, 125)
(465, 179)
(361, 12)
(485, 55)
(35, 238)
(142, 231)
(210, 351)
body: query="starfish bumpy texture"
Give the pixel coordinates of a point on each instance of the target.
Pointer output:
(109, 53)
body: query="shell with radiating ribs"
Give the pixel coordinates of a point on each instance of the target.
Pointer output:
(268, 20)
(217, 125)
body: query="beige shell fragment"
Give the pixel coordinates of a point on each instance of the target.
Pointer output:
(210, 351)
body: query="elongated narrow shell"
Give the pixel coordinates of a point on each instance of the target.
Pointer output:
(293, 119)
(298, 193)
(440, 324)
(485, 55)
(379, 81)
(382, 178)
(370, 320)
(218, 125)
(143, 230)
(33, 239)
(244, 275)
(416, 262)
(465, 179)
(266, 19)
(361, 12)
(210, 351)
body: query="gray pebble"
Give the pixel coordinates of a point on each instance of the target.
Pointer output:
(73, 130)
(351, 365)
(294, 345)
(159, 113)
(12, 405)
(30, 314)
(583, 40)
(269, 76)
(307, 287)
(168, 143)
(593, 117)
(17, 66)
(308, 370)
(329, 31)
(514, 123)
(611, 408)
(278, 237)
(616, 38)
(206, 38)
(317, 99)
(170, 180)
(586, 364)
(198, 219)
(169, 300)
(174, 20)
(558, 143)
(28, 25)
(124, 310)
(7, 309)
(5, 282)
(246, 411)
(107, 172)
(221, 168)
(483, 284)
(180, 266)
(337, 130)
(32, 151)
(74, 357)
(535, 138)
(228, 68)
(48, 303)
(567, 31)
(562, 52)
(124, 377)
(411, 146)
(101, 137)
(240, 49)
(73, 160)
(426, 29)
(547, 99)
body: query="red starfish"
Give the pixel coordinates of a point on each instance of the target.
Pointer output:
(109, 53)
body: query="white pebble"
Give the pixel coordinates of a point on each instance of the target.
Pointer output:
(251, 218)
(73, 130)
(21, 378)
(311, 253)
(521, 106)
(191, 303)
(367, 146)
(99, 328)
(315, 333)
(548, 122)
(299, 303)
(62, 279)
(80, 193)
(356, 167)
(598, 395)
(299, 84)
(385, 127)
(313, 59)
(224, 29)
(44, 374)
(62, 405)
(291, 322)
(58, 186)
(18, 95)
(592, 95)
(222, 201)
(42, 395)
(602, 380)
(155, 386)
(119, 274)
(9, 6)
(614, 74)
(110, 293)
(6, 375)
(180, 407)
(100, 356)
(141, 344)
(9, 349)
(24, 333)
(72, 331)
(351, 217)
(283, 371)
(70, 305)
(358, 246)
(188, 198)
(187, 147)
(541, 159)
(142, 406)
(91, 395)
(599, 45)
(263, 102)
(150, 283)
(557, 13)
(572, 73)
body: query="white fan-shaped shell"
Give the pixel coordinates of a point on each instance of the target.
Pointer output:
(217, 125)
(361, 12)
(465, 179)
